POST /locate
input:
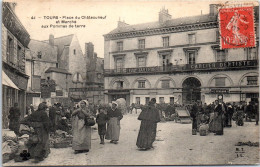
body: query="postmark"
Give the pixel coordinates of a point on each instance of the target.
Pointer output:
(237, 27)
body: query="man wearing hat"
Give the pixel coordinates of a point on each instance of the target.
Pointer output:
(113, 128)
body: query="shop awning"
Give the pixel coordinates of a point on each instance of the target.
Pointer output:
(7, 81)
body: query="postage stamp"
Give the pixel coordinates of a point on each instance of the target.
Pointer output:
(237, 27)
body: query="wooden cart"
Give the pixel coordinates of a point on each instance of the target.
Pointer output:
(182, 115)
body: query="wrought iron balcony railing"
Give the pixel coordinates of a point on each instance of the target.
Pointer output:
(228, 65)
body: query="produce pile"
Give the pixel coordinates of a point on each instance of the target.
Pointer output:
(12, 147)
(60, 139)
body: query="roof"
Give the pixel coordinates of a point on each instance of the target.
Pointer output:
(169, 23)
(57, 70)
(60, 42)
(45, 48)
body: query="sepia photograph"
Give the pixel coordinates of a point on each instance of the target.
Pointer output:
(159, 82)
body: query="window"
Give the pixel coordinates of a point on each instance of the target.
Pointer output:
(119, 63)
(221, 55)
(251, 53)
(57, 65)
(165, 83)
(171, 100)
(141, 84)
(165, 42)
(147, 99)
(119, 46)
(119, 84)
(220, 81)
(74, 51)
(192, 38)
(19, 56)
(191, 58)
(141, 61)
(59, 93)
(39, 55)
(141, 44)
(165, 59)
(161, 99)
(252, 80)
(137, 100)
(10, 50)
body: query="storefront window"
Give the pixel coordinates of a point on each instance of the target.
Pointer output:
(161, 99)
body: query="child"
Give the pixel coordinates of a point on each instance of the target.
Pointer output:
(101, 120)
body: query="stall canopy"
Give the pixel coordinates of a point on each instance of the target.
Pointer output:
(7, 81)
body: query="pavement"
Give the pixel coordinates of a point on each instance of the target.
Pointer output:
(174, 145)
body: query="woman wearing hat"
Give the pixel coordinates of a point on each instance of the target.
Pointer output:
(113, 128)
(81, 133)
(38, 145)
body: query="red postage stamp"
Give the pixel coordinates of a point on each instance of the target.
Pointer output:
(237, 27)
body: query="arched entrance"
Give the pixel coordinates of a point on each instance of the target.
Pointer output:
(191, 90)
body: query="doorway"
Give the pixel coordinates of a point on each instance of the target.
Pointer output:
(191, 90)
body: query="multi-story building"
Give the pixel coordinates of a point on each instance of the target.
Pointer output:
(58, 63)
(178, 60)
(94, 85)
(15, 40)
(40, 58)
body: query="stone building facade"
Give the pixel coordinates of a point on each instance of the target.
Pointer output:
(179, 61)
(57, 60)
(94, 83)
(15, 40)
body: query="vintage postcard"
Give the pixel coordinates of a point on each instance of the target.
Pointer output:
(91, 82)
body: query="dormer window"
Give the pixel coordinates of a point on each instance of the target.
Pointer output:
(39, 55)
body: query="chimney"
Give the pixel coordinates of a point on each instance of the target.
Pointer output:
(51, 40)
(213, 9)
(164, 16)
(121, 24)
(89, 50)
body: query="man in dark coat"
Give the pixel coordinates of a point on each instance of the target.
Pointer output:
(149, 118)
(193, 114)
(14, 117)
(52, 116)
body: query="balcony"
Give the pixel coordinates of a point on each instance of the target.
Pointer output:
(213, 66)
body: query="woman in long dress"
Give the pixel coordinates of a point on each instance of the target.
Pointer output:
(149, 118)
(218, 119)
(81, 133)
(113, 126)
(38, 145)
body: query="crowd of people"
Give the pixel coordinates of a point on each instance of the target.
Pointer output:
(219, 115)
(45, 120)
(40, 123)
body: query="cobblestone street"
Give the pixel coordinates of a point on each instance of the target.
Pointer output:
(174, 146)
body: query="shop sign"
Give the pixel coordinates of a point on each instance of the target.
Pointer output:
(219, 90)
(221, 65)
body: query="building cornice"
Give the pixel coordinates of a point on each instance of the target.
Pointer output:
(158, 31)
